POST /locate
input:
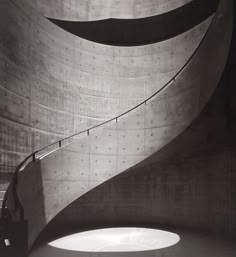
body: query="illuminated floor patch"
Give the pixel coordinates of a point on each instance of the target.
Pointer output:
(117, 240)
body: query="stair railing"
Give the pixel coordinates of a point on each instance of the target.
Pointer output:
(35, 155)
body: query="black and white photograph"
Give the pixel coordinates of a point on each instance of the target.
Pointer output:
(117, 128)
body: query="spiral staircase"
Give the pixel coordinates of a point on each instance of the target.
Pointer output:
(50, 179)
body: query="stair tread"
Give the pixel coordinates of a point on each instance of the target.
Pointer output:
(3, 186)
(2, 193)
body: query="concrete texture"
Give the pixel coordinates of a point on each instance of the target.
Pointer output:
(54, 84)
(66, 174)
(79, 10)
(190, 184)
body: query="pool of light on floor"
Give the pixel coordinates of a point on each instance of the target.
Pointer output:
(117, 240)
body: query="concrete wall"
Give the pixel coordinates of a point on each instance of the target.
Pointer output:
(189, 184)
(53, 84)
(135, 32)
(79, 10)
(62, 176)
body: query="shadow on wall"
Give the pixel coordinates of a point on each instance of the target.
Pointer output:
(190, 184)
(136, 205)
(50, 90)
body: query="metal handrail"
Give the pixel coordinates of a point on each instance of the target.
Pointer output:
(59, 143)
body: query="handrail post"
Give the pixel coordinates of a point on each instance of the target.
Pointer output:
(88, 132)
(34, 157)
(59, 144)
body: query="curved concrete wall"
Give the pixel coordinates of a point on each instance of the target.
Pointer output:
(189, 184)
(63, 175)
(134, 32)
(55, 84)
(79, 10)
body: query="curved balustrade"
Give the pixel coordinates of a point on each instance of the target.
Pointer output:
(79, 10)
(67, 140)
(54, 84)
(53, 181)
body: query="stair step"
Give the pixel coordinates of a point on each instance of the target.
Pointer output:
(0, 208)
(4, 186)
(2, 193)
(1, 200)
